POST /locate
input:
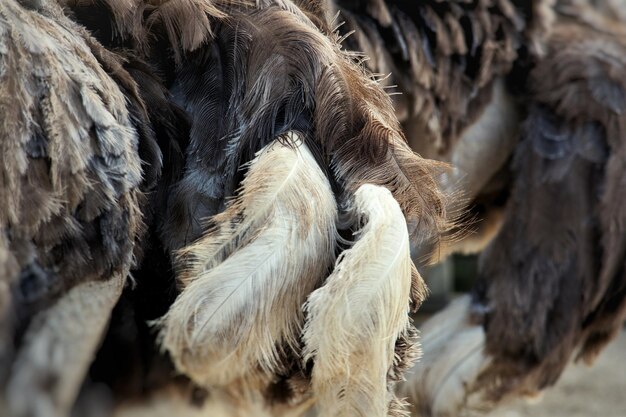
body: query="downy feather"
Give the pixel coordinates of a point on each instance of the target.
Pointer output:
(355, 320)
(69, 190)
(245, 280)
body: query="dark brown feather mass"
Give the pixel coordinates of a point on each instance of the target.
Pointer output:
(443, 56)
(555, 273)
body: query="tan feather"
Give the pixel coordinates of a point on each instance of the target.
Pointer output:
(245, 281)
(355, 319)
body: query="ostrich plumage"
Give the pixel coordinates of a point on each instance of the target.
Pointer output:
(188, 104)
(227, 185)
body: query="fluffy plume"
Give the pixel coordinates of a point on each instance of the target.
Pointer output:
(355, 320)
(244, 282)
(285, 74)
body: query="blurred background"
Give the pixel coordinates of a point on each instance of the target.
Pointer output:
(582, 391)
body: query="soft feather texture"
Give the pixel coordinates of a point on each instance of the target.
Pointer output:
(356, 319)
(258, 73)
(443, 56)
(59, 347)
(183, 24)
(569, 264)
(282, 73)
(244, 282)
(70, 175)
(130, 335)
(269, 70)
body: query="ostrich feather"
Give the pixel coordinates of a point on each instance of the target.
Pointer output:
(70, 181)
(442, 56)
(356, 318)
(284, 74)
(550, 283)
(244, 282)
(185, 24)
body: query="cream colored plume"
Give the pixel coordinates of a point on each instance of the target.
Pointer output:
(443, 383)
(355, 319)
(245, 281)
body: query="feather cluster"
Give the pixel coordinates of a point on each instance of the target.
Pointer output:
(284, 74)
(70, 189)
(442, 56)
(231, 128)
(569, 262)
(356, 320)
(244, 282)
(184, 24)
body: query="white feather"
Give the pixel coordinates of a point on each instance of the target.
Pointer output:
(246, 280)
(354, 320)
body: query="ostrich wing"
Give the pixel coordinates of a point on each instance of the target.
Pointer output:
(246, 74)
(446, 64)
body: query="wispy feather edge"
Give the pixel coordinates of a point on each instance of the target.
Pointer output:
(246, 279)
(355, 321)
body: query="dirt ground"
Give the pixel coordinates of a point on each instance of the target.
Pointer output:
(599, 391)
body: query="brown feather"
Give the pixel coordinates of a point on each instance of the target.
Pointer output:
(69, 195)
